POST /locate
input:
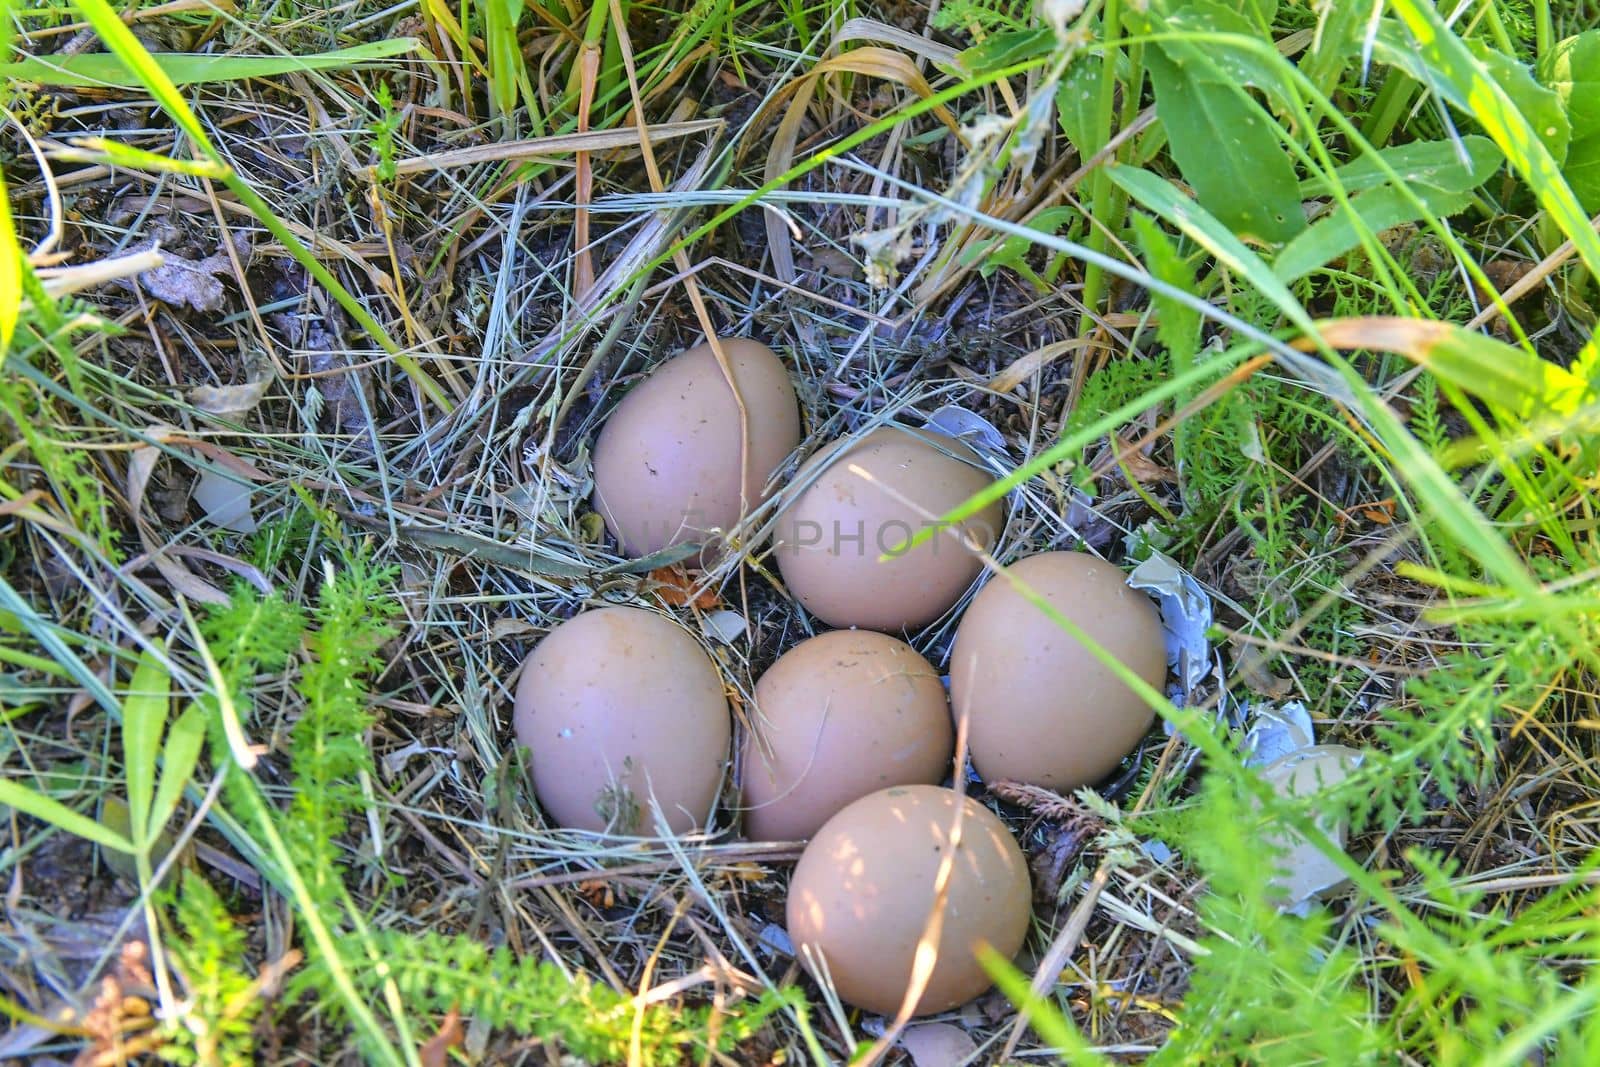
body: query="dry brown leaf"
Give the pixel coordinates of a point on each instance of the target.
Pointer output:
(676, 589)
(140, 468)
(230, 399)
(865, 29)
(1024, 367)
(435, 1052)
(190, 283)
(1138, 466)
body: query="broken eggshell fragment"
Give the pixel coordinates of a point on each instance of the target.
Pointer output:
(1305, 871)
(226, 501)
(619, 707)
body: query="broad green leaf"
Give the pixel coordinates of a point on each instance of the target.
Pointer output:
(1443, 190)
(10, 271)
(1464, 71)
(1540, 106)
(1226, 147)
(1244, 60)
(178, 761)
(101, 69)
(1449, 166)
(1453, 70)
(1572, 71)
(1010, 251)
(18, 796)
(1224, 142)
(1338, 29)
(1160, 196)
(1076, 107)
(1586, 364)
(1179, 327)
(1370, 213)
(144, 717)
(1004, 49)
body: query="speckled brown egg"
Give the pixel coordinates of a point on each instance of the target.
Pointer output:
(1041, 707)
(860, 499)
(616, 706)
(839, 716)
(862, 892)
(667, 464)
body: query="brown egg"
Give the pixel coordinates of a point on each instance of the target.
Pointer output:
(829, 539)
(615, 706)
(1041, 708)
(837, 717)
(666, 465)
(861, 894)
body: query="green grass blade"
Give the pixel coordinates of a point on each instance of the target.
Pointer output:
(144, 718)
(1505, 376)
(116, 154)
(1045, 1018)
(1368, 214)
(1464, 80)
(103, 70)
(57, 814)
(44, 632)
(10, 271)
(178, 761)
(144, 68)
(1160, 196)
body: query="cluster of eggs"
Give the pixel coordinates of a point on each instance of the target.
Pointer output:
(628, 724)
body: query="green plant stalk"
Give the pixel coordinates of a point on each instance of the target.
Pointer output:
(33, 663)
(1105, 198)
(310, 915)
(1393, 100)
(1497, 28)
(1543, 30)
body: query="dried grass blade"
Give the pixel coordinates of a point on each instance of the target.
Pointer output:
(1024, 367)
(865, 29)
(564, 144)
(873, 62)
(140, 468)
